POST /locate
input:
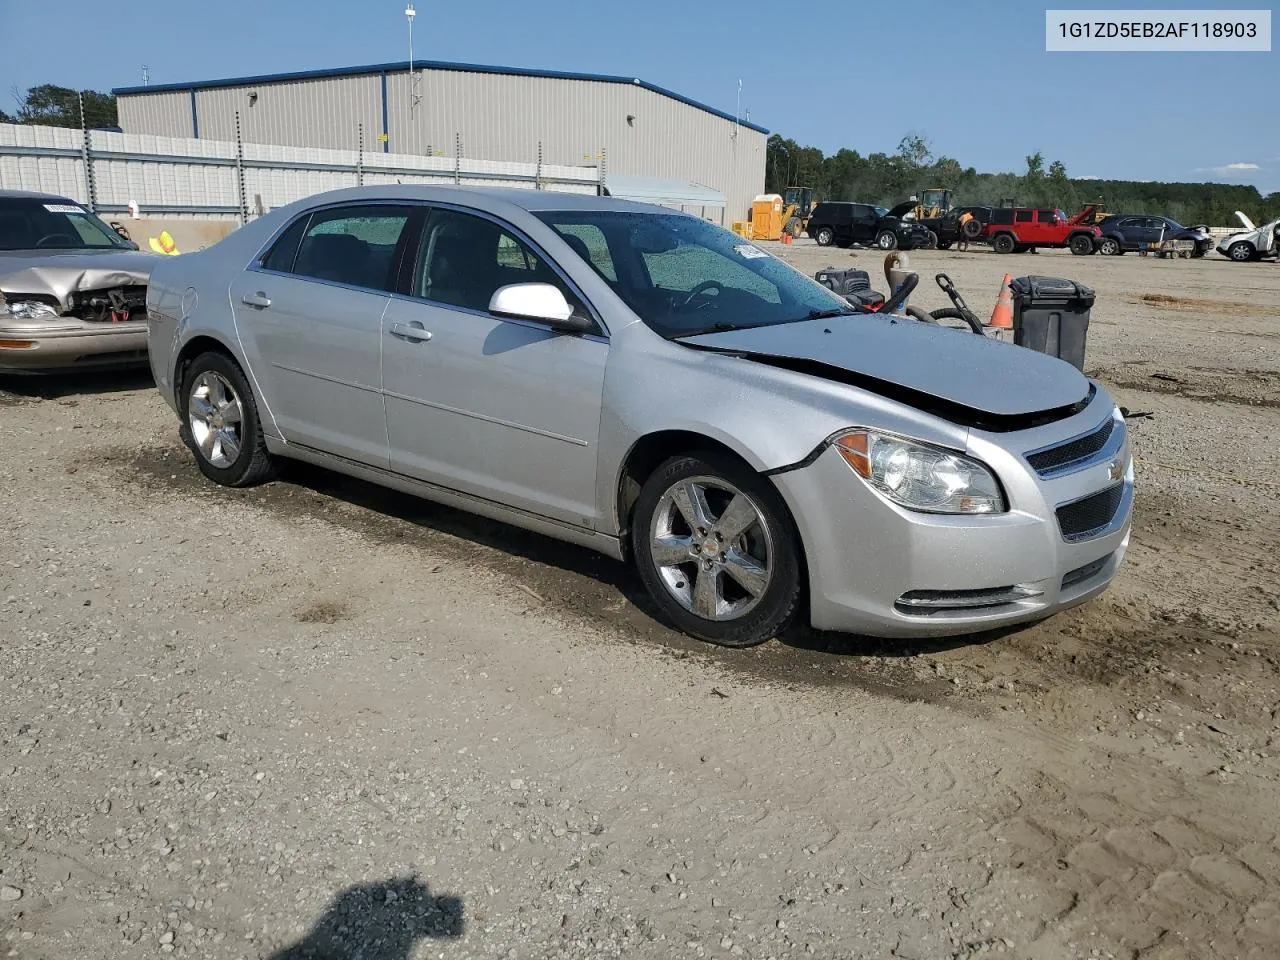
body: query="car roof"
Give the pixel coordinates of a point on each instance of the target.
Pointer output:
(491, 198)
(32, 195)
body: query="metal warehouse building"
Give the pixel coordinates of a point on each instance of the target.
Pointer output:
(652, 143)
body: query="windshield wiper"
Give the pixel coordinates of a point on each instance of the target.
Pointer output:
(833, 312)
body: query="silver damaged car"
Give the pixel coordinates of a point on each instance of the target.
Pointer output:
(651, 386)
(72, 290)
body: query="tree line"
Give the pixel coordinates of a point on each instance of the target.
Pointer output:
(49, 105)
(888, 179)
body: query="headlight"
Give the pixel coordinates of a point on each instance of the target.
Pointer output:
(26, 310)
(920, 477)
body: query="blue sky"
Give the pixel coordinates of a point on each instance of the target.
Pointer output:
(971, 76)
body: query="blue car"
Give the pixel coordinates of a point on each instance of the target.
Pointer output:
(1124, 232)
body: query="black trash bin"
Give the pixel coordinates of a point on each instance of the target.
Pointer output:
(1051, 315)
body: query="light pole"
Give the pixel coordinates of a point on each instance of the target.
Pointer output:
(410, 13)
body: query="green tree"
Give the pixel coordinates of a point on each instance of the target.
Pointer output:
(49, 105)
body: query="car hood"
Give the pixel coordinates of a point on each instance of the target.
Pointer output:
(59, 273)
(964, 377)
(902, 209)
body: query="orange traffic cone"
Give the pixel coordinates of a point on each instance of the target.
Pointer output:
(1002, 315)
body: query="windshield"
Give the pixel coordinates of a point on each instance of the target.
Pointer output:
(683, 276)
(881, 211)
(41, 223)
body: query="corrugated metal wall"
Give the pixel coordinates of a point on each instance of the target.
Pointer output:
(497, 116)
(164, 114)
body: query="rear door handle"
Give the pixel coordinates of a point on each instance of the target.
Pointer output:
(410, 331)
(259, 300)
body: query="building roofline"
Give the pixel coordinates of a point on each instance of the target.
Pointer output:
(403, 66)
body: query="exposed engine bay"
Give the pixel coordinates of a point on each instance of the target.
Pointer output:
(112, 305)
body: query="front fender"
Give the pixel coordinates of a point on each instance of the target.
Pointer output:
(770, 417)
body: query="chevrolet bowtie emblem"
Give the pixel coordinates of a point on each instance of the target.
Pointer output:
(1115, 471)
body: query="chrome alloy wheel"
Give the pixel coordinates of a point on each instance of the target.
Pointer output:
(711, 548)
(216, 419)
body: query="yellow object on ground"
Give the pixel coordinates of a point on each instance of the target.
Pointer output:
(164, 244)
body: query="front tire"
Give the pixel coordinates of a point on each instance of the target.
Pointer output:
(1081, 245)
(717, 550)
(1241, 251)
(220, 423)
(825, 236)
(887, 240)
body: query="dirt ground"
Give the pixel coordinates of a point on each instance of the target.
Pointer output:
(319, 719)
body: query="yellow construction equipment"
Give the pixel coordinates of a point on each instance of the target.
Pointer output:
(774, 214)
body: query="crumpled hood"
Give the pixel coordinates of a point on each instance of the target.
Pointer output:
(987, 377)
(59, 273)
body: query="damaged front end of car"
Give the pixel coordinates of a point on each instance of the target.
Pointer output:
(63, 312)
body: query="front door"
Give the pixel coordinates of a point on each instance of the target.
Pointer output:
(506, 410)
(310, 317)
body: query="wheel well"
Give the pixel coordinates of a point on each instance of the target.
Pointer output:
(648, 454)
(652, 450)
(192, 349)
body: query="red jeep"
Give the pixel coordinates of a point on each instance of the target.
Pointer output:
(1015, 229)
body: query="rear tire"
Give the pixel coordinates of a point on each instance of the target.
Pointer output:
(793, 227)
(1003, 243)
(220, 423)
(944, 244)
(887, 240)
(825, 236)
(1109, 247)
(723, 557)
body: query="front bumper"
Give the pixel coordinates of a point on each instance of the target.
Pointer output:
(881, 570)
(47, 345)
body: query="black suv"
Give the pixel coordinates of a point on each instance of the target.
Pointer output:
(844, 224)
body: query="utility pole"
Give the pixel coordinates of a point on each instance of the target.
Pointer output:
(410, 13)
(146, 75)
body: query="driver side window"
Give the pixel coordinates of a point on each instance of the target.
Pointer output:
(464, 259)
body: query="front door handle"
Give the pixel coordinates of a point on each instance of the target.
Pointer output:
(259, 300)
(410, 331)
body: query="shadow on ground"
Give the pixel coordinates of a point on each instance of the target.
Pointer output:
(379, 921)
(53, 386)
(548, 559)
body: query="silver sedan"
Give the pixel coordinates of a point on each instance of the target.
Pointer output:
(650, 386)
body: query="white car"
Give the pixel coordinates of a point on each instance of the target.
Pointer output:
(1252, 243)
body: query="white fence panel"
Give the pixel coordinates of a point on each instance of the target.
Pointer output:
(185, 177)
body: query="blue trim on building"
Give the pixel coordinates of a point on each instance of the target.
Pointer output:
(403, 66)
(195, 120)
(386, 131)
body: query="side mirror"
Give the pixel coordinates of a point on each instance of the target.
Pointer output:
(538, 301)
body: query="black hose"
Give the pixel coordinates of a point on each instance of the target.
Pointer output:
(951, 313)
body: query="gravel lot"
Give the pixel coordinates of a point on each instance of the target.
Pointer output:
(317, 719)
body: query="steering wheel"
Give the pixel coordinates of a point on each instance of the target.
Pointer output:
(63, 237)
(701, 288)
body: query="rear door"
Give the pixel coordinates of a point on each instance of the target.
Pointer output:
(310, 314)
(863, 220)
(507, 410)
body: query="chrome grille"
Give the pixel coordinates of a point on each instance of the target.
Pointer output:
(1055, 459)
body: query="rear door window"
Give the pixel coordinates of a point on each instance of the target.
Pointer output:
(283, 252)
(1023, 216)
(354, 245)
